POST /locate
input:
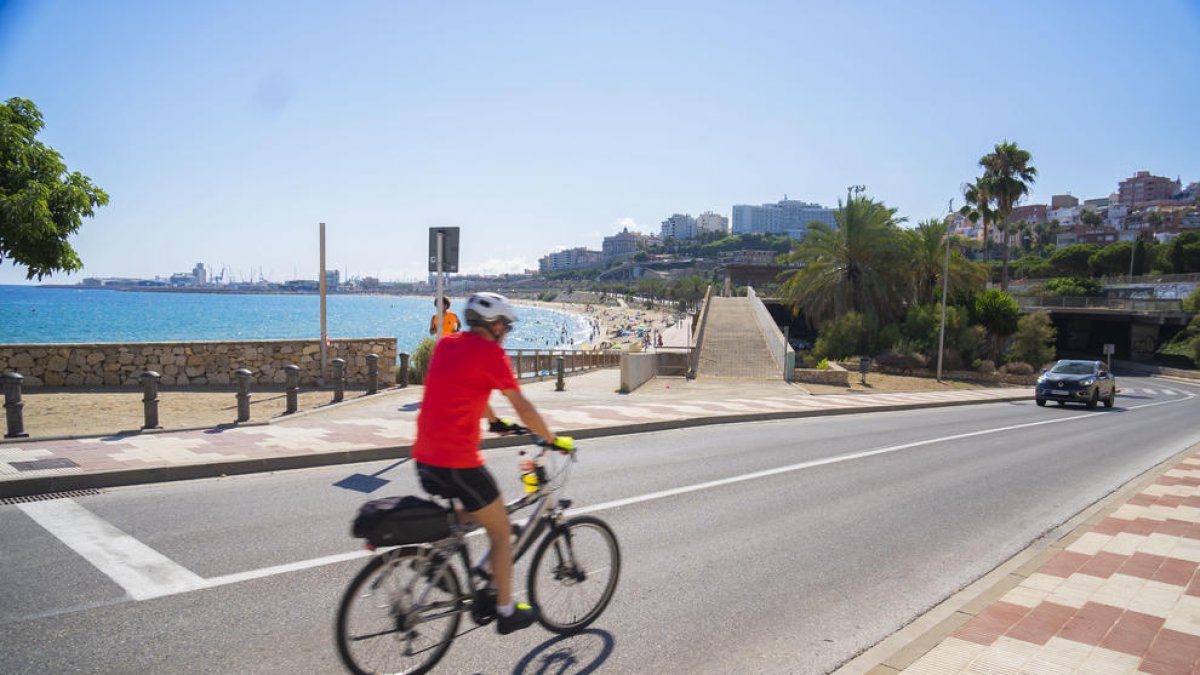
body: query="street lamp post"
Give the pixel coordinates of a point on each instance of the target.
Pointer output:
(945, 282)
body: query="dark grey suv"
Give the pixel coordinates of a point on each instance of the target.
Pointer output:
(1070, 381)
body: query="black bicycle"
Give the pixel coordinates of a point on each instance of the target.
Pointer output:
(401, 612)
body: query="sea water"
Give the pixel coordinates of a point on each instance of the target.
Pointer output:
(32, 314)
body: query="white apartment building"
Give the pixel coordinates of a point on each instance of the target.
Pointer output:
(790, 217)
(679, 226)
(570, 259)
(712, 222)
(1067, 216)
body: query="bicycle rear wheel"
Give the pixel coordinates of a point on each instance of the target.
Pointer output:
(385, 626)
(574, 573)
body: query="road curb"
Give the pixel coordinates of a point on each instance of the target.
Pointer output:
(901, 649)
(40, 485)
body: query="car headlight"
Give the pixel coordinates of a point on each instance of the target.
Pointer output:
(1088, 382)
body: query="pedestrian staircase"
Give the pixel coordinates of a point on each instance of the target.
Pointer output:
(733, 344)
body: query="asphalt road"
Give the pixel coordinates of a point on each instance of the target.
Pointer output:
(786, 546)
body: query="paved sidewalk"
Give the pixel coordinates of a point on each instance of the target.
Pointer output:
(383, 426)
(1118, 595)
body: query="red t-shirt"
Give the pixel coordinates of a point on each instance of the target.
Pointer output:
(463, 371)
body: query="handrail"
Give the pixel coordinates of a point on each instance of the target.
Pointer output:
(533, 363)
(1160, 305)
(781, 351)
(698, 332)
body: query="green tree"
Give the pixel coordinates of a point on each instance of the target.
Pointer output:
(1073, 261)
(857, 266)
(1033, 342)
(1192, 302)
(1111, 260)
(1139, 257)
(1031, 266)
(1007, 174)
(41, 203)
(978, 209)
(927, 257)
(1090, 218)
(998, 313)
(1183, 253)
(689, 290)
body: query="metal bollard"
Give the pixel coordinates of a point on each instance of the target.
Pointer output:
(372, 373)
(150, 398)
(339, 379)
(560, 384)
(293, 387)
(403, 379)
(13, 405)
(243, 394)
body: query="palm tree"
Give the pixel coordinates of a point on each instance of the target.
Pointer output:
(857, 266)
(927, 250)
(1007, 174)
(978, 208)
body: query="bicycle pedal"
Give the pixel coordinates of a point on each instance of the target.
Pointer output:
(564, 504)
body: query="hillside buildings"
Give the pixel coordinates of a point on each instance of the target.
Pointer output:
(787, 217)
(679, 226)
(570, 259)
(712, 222)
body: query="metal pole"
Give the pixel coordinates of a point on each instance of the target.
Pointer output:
(324, 333)
(13, 406)
(150, 399)
(945, 282)
(560, 384)
(243, 394)
(372, 373)
(437, 335)
(293, 387)
(339, 379)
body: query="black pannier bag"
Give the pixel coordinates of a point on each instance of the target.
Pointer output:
(394, 521)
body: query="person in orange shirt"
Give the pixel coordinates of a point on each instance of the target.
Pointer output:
(450, 323)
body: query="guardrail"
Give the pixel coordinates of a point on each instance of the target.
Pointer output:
(532, 363)
(698, 333)
(1147, 306)
(785, 356)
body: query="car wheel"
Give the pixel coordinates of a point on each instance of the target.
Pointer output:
(1112, 399)
(1091, 404)
(1041, 402)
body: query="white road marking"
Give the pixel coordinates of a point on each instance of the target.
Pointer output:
(143, 572)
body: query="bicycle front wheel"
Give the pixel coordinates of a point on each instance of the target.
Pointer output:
(574, 573)
(398, 616)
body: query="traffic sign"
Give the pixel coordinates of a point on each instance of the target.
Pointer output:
(449, 248)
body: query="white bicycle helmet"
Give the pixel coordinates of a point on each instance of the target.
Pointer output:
(484, 308)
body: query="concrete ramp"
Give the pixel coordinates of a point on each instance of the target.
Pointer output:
(733, 344)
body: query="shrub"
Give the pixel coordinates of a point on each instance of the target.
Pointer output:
(843, 336)
(1192, 302)
(1017, 368)
(1072, 286)
(547, 296)
(985, 366)
(1034, 339)
(418, 363)
(823, 364)
(902, 363)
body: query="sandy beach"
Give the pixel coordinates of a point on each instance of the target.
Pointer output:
(617, 325)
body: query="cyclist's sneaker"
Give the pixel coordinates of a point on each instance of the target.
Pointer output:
(523, 616)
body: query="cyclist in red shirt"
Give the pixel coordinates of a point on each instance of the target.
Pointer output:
(463, 371)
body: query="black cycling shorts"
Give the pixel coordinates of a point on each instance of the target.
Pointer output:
(474, 487)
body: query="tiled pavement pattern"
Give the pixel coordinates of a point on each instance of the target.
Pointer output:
(1124, 597)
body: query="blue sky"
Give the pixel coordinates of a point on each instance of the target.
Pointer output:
(225, 131)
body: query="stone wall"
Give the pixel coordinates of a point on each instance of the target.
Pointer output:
(192, 363)
(834, 375)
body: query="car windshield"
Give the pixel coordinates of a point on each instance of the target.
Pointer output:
(1072, 368)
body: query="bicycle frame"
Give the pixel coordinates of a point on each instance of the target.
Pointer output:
(547, 511)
